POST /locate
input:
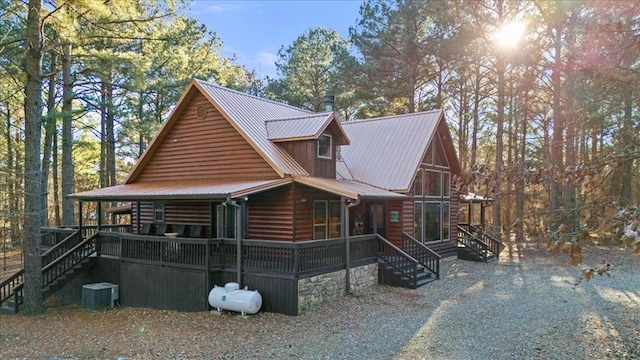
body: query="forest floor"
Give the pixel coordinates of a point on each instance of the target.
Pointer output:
(531, 304)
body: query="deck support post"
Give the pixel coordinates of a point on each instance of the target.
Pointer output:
(238, 236)
(347, 250)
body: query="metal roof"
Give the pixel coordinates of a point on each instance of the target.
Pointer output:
(301, 128)
(349, 189)
(387, 151)
(180, 190)
(342, 171)
(474, 198)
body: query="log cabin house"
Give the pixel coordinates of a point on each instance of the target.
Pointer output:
(294, 204)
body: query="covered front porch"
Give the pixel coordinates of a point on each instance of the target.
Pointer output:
(273, 236)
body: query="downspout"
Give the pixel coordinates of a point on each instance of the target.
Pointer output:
(238, 210)
(347, 277)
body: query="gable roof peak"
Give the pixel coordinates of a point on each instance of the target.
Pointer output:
(240, 93)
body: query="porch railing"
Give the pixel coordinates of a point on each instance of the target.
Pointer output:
(427, 257)
(293, 258)
(399, 260)
(492, 244)
(52, 236)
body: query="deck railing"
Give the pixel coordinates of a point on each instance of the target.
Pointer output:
(397, 259)
(61, 247)
(74, 256)
(264, 256)
(52, 236)
(12, 288)
(492, 244)
(427, 257)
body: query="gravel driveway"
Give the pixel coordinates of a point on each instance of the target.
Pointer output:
(524, 307)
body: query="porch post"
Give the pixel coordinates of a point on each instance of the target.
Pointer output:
(347, 250)
(347, 246)
(99, 211)
(239, 243)
(80, 217)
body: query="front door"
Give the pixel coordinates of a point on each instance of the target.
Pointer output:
(375, 221)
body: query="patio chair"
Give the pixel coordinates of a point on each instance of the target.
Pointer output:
(161, 229)
(180, 229)
(146, 229)
(195, 231)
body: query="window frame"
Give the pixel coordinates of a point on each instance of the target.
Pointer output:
(323, 225)
(330, 148)
(159, 209)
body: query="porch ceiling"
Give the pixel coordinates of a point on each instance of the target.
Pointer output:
(349, 189)
(180, 190)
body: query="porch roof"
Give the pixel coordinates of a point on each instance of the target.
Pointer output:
(474, 198)
(180, 190)
(347, 188)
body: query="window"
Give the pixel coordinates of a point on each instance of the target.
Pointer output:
(324, 146)
(445, 221)
(319, 219)
(334, 220)
(433, 183)
(446, 184)
(417, 220)
(432, 222)
(158, 212)
(428, 158)
(417, 184)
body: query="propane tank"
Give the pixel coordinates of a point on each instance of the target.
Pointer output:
(232, 298)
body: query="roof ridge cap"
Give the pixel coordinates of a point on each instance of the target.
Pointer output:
(299, 117)
(237, 92)
(381, 118)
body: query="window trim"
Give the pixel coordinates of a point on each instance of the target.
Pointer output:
(326, 220)
(159, 208)
(330, 156)
(426, 194)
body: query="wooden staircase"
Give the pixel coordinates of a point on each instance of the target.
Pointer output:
(411, 266)
(60, 264)
(474, 245)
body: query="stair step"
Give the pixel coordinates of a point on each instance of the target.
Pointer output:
(7, 310)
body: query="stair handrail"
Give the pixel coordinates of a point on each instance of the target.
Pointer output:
(428, 258)
(12, 287)
(494, 245)
(61, 248)
(385, 246)
(68, 260)
(473, 243)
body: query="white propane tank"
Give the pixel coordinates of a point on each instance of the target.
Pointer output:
(231, 297)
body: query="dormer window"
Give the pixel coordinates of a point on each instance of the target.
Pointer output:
(324, 146)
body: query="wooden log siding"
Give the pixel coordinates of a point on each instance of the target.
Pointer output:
(394, 229)
(271, 214)
(304, 197)
(408, 217)
(204, 149)
(187, 213)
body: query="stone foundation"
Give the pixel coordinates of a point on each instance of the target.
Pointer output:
(320, 288)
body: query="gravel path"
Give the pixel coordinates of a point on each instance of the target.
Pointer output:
(525, 307)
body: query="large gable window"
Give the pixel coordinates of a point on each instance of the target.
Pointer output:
(324, 146)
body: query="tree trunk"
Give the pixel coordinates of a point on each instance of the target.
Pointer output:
(626, 182)
(67, 138)
(11, 185)
(33, 302)
(497, 219)
(50, 128)
(558, 131)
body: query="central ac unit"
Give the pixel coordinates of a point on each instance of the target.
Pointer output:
(99, 295)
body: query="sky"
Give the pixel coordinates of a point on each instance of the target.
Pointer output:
(254, 31)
